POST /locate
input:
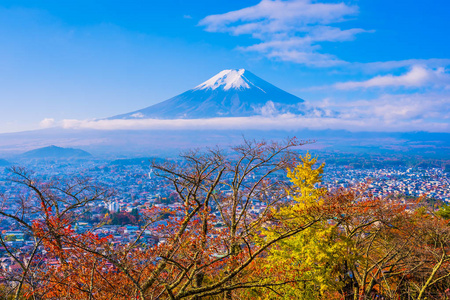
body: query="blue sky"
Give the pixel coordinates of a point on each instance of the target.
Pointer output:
(385, 64)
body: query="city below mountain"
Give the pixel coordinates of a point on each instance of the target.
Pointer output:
(54, 152)
(231, 93)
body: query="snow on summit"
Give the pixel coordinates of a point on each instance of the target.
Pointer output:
(229, 79)
(231, 93)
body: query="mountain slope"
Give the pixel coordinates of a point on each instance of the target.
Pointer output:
(231, 93)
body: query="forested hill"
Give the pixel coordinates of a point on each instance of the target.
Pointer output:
(55, 153)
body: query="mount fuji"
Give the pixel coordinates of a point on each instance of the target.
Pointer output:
(230, 93)
(221, 100)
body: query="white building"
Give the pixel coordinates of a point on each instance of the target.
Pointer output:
(113, 206)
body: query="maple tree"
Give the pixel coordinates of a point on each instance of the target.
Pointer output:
(395, 250)
(427, 267)
(43, 211)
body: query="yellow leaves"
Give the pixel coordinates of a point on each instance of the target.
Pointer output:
(306, 193)
(308, 257)
(304, 174)
(306, 181)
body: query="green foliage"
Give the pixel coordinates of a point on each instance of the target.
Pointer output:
(444, 212)
(10, 238)
(123, 218)
(6, 293)
(135, 214)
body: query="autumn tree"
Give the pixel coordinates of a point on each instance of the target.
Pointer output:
(42, 211)
(304, 261)
(364, 246)
(227, 200)
(426, 274)
(395, 250)
(205, 248)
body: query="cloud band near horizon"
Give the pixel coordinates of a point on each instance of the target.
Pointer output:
(285, 122)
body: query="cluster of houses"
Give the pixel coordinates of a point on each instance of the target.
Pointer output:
(432, 183)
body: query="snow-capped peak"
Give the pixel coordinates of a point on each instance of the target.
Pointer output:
(228, 79)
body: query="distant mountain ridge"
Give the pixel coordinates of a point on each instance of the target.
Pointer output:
(230, 93)
(164, 143)
(4, 163)
(55, 153)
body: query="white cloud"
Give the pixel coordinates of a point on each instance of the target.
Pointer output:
(431, 63)
(271, 16)
(289, 30)
(418, 76)
(268, 109)
(389, 113)
(284, 122)
(138, 115)
(47, 122)
(425, 108)
(292, 31)
(308, 58)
